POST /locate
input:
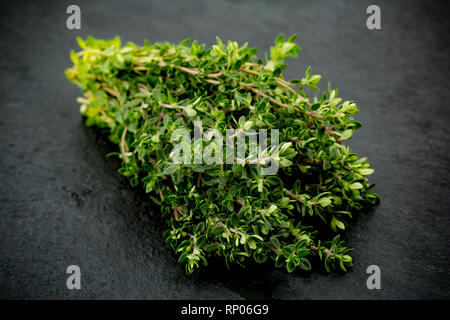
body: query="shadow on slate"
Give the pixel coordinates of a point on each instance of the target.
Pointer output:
(62, 201)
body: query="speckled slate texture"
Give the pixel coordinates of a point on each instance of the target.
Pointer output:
(63, 202)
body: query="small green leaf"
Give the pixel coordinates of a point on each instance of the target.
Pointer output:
(234, 219)
(185, 42)
(275, 243)
(346, 134)
(366, 172)
(190, 112)
(356, 186)
(324, 202)
(315, 79)
(200, 227)
(290, 266)
(304, 264)
(315, 106)
(252, 244)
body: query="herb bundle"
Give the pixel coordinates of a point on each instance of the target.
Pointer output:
(142, 95)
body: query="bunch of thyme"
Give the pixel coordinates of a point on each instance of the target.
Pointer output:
(141, 96)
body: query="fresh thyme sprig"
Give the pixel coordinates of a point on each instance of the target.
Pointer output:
(141, 96)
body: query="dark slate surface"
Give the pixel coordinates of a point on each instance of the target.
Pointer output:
(62, 202)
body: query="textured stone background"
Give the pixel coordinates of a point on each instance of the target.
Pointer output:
(62, 201)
